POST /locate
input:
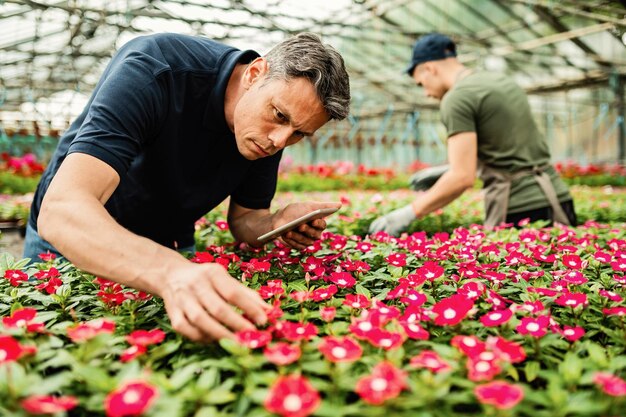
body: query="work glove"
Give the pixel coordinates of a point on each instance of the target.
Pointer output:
(424, 179)
(394, 222)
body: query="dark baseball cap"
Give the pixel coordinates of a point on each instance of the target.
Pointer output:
(431, 47)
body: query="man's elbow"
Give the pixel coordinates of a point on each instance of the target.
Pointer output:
(46, 222)
(468, 182)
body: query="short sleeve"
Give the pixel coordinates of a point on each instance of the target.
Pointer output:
(257, 189)
(458, 112)
(123, 115)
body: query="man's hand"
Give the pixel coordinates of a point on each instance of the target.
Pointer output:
(305, 234)
(394, 222)
(199, 300)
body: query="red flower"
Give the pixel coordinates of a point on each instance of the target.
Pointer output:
(15, 277)
(328, 313)
(357, 301)
(414, 330)
(50, 286)
(452, 310)
(430, 270)
(496, 318)
(88, 330)
(430, 360)
(203, 257)
(572, 299)
(610, 384)
(340, 349)
(500, 394)
(132, 352)
(364, 246)
(296, 331)
(47, 404)
(282, 353)
(483, 367)
(131, 399)
(385, 339)
(385, 382)
(47, 257)
(573, 261)
(615, 311)
(342, 279)
(397, 259)
(536, 327)
(292, 396)
(11, 350)
(506, 350)
(47, 274)
(267, 291)
(23, 317)
(469, 345)
(299, 296)
(146, 337)
(253, 338)
(324, 293)
(611, 295)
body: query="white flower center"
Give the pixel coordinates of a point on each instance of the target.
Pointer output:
(532, 327)
(569, 332)
(300, 330)
(495, 316)
(487, 356)
(449, 313)
(468, 341)
(379, 384)
(339, 352)
(570, 302)
(3, 354)
(292, 403)
(385, 342)
(483, 366)
(356, 305)
(130, 397)
(431, 363)
(472, 294)
(366, 326)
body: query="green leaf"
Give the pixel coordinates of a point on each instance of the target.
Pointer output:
(184, 375)
(597, 354)
(531, 370)
(571, 368)
(360, 289)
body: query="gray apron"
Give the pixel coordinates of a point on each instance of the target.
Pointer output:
(497, 186)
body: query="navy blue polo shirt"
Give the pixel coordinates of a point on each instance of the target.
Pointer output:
(157, 117)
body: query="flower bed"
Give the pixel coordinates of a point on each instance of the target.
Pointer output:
(513, 322)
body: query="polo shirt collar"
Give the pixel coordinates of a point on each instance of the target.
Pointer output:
(214, 117)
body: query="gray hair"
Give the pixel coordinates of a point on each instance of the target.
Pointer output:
(304, 55)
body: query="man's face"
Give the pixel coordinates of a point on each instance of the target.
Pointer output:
(427, 76)
(274, 114)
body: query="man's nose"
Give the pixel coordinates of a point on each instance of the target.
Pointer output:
(280, 135)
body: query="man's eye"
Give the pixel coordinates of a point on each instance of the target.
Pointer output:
(279, 115)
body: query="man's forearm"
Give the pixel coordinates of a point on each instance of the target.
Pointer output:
(249, 226)
(84, 232)
(448, 188)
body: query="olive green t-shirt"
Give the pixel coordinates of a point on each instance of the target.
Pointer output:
(497, 109)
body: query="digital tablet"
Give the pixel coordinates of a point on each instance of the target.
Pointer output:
(316, 214)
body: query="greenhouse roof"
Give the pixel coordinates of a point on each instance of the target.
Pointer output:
(58, 48)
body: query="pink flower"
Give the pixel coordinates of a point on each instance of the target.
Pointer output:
(282, 353)
(364, 247)
(536, 327)
(15, 277)
(506, 350)
(357, 301)
(337, 349)
(328, 313)
(430, 270)
(430, 360)
(611, 295)
(131, 399)
(385, 382)
(385, 339)
(253, 338)
(299, 296)
(500, 394)
(452, 310)
(496, 318)
(84, 331)
(146, 337)
(267, 291)
(572, 333)
(615, 311)
(47, 404)
(469, 345)
(292, 396)
(414, 330)
(610, 384)
(571, 299)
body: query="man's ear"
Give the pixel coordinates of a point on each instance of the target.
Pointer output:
(255, 71)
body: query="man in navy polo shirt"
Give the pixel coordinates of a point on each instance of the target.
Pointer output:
(175, 125)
